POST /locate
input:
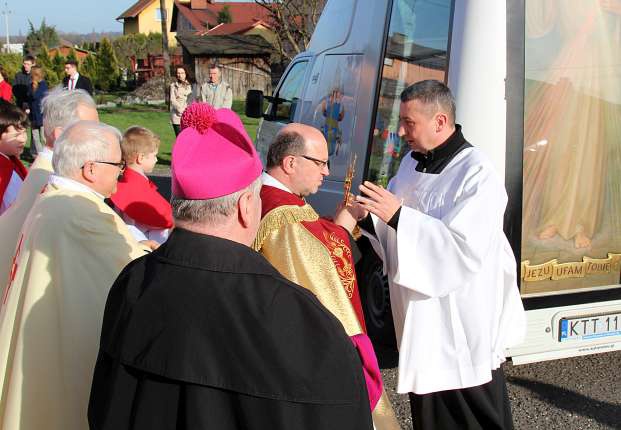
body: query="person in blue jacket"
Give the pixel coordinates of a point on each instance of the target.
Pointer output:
(38, 89)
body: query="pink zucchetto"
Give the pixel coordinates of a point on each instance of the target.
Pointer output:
(213, 155)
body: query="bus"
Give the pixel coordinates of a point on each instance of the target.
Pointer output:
(537, 88)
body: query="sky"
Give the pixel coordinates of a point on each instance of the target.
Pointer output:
(81, 16)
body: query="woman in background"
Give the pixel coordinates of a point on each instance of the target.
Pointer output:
(36, 93)
(180, 97)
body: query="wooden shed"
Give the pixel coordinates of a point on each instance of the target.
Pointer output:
(244, 60)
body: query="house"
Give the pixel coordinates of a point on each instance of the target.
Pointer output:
(64, 49)
(200, 16)
(145, 16)
(13, 48)
(244, 60)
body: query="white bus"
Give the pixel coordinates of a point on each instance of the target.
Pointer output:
(538, 88)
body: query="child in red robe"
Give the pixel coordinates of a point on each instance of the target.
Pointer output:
(13, 125)
(136, 200)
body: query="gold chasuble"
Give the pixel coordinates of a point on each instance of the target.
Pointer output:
(315, 253)
(71, 248)
(12, 220)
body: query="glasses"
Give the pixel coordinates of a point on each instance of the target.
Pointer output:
(121, 165)
(319, 163)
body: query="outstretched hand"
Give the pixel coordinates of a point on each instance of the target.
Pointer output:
(378, 201)
(347, 216)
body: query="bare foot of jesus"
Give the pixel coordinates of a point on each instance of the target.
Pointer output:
(548, 232)
(582, 241)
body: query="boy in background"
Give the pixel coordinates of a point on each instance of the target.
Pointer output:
(147, 214)
(13, 125)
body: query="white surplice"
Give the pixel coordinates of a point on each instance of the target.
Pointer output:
(452, 275)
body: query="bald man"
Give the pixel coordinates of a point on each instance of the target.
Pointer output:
(311, 251)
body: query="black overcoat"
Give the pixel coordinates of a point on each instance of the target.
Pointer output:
(205, 334)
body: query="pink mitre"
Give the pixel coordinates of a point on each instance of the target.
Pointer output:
(213, 155)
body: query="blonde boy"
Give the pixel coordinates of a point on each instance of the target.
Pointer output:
(144, 210)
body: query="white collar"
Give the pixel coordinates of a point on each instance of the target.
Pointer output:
(75, 77)
(144, 175)
(72, 184)
(5, 156)
(46, 153)
(268, 179)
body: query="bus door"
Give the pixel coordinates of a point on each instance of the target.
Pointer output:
(416, 48)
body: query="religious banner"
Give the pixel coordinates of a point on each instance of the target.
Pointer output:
(553, 270)
(571, 202)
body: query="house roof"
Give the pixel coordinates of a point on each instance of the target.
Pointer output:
(235, 28)
(135, 9)
(197, 17)
(202, 19)
(225, 45)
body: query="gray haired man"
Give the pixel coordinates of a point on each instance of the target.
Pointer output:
(70, 249)
(215, 92)
(60, 108)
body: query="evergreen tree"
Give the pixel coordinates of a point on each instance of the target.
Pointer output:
(45, 35)
(58, 65)
(88, 68)
(107, 65)
(72, 55)
(224, 16)
(11, 63)
(44, 60)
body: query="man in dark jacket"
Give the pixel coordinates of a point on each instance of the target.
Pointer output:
(204, 333)
(75, 81)
(23, 82)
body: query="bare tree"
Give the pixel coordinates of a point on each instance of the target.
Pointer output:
(293, 21)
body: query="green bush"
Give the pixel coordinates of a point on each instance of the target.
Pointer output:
(11, 63)
(107, 66)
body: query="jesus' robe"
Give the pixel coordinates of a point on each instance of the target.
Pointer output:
(70, 249)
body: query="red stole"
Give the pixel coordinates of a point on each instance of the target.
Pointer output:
(7, 167)
(331, 235)
(137, 197)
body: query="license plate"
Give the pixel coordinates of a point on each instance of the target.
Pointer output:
(590, 327)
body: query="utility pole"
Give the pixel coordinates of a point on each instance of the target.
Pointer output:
(6, 12)
(165, 54)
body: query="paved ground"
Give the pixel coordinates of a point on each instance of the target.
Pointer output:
(572, 394)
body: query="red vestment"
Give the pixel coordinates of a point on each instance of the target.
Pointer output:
(137, 197)
(7, 167)
(332, 236)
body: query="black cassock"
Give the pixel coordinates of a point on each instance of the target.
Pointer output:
(205, 334)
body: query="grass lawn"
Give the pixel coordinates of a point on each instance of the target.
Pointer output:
(157, 119)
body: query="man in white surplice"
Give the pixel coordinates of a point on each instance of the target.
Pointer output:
(453, 288)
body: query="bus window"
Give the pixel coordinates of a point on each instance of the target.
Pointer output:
(417, 44)
(571, 227)
(283, 109)
(334, 105)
